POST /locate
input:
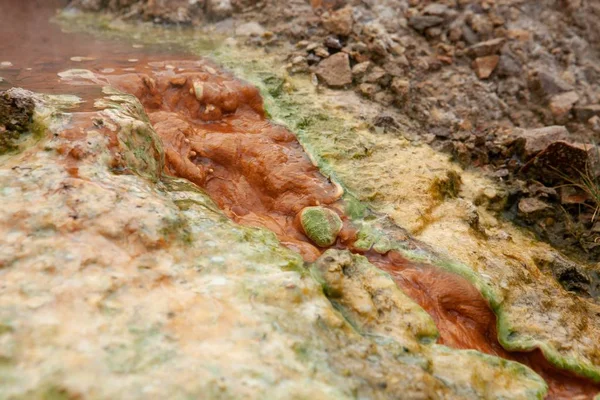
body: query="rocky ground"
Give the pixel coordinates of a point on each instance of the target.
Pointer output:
(509, 87)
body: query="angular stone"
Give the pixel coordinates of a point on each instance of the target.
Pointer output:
(422, 22)
(531, 208)
(486, 48)
(559, 161)
(376, 75)
(339, 22)
(548, 84)
(484, 66)
(335, 70)
(538, 139)
(572, 195)
(561, 104)
(509, 66)
(436, 9)
(361, 68)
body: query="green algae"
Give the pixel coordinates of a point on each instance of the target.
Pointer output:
(371, 302)
(321, 225)
(140, 147)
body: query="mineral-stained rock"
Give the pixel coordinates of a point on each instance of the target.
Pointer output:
(484, 66)
(558, 161)
(335, 70)
(321, 225)
(523, 299)
(339, 22)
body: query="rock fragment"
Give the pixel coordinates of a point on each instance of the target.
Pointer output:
(561, 105)
(484, 66)
(532, 209)
(509, 66)
(321, 225)
(16, 112)
(250, 29)
(536, 140)
(486, 48)
(339, 22)
(558, 161)
(219, 9)
(422, 22)
(335, 70)
(548, 84)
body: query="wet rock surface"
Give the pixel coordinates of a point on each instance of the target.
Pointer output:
(212, 129)
(16, 113)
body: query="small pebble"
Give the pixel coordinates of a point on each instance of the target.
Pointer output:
(133, 60)
(6, 64)
(80, 59)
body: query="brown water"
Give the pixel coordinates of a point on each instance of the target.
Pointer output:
(216, 135)
(38, 50)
